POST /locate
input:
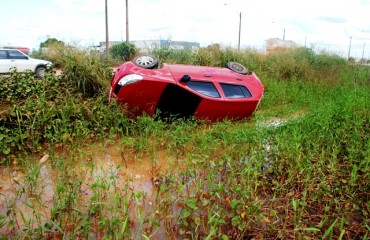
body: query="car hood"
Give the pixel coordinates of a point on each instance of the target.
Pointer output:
(40, 61)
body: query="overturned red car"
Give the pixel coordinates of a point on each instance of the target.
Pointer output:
(186, 91)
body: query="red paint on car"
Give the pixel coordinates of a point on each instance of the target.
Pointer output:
(202, 92)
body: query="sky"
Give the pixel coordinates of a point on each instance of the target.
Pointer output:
(335, 26)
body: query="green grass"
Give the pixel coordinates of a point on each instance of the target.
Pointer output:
(298, 169)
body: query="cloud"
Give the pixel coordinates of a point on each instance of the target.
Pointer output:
(206, 21)
(81, 6)
(333, 19)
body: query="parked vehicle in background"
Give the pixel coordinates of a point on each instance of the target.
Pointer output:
(14, 58)
(175, 90)
(24, 50)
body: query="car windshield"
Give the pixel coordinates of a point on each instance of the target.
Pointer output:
(205, 88)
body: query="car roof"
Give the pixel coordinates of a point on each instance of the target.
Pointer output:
(11, 49)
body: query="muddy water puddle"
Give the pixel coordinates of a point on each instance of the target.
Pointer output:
(31, 193)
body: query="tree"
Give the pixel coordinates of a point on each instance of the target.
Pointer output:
(123, 50)
(51, 41)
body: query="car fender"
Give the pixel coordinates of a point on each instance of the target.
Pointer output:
(39, 65)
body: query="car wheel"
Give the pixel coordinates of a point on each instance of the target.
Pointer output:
(237, 67)
(146, 61)
(40, 72)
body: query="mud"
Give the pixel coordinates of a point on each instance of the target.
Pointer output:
(26, 193)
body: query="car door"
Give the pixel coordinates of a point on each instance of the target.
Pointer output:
(19, 60)
(5, 62)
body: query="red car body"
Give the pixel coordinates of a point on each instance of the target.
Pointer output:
(207, 93)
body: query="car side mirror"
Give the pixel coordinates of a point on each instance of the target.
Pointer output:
(186, 78)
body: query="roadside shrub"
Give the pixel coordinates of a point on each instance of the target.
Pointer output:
(83, 69)
(57, 109)
(286, 64)
(210, 56)
(204, 58)
(170, 55)
(123, 51)
(22, 85)
(302, 64)
(36, 113)
(41, 122)
(48, 51)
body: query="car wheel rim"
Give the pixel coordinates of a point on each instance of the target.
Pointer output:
(41, 73)
(145, 61)
(237, 67)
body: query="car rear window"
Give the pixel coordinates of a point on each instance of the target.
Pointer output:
(205, 88)
(235, 91)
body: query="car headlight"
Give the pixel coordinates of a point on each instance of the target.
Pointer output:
(129, 79)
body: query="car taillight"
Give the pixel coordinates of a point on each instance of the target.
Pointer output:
(129, 79)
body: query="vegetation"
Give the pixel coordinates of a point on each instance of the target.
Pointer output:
(50, 42)
(298, 169)
(123, 51)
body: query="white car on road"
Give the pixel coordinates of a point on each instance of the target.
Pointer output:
(13, 58)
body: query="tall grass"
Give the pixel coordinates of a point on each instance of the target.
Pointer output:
(298, 169)
(58, 109)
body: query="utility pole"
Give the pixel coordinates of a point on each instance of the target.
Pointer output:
(240, 27)
(127, 37)
(282, 28)
(349, 50)
(106, 31)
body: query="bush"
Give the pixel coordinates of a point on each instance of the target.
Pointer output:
(302, 64)
(40, 112)
(83, 69)
(170, 55)
(123, 51)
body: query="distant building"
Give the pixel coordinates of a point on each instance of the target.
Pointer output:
(148, 45)
(276, 43)
(102, 45)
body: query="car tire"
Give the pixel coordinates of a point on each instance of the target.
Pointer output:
(40, 72)
(237, 67)
(146, 61)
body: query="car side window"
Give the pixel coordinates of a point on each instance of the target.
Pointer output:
(16, 55)
(235, 91)
(3, 54)
(205, 88)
